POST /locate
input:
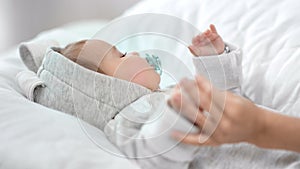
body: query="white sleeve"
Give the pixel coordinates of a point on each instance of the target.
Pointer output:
(142, 132)
(224, 70)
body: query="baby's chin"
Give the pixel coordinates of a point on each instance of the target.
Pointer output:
(149, 79)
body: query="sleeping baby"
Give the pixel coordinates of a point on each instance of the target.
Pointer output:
(119, 93)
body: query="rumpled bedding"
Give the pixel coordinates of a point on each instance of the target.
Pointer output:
(33, 136)
(267, 31)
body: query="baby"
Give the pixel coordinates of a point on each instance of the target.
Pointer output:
(104, 58)
(125, 127)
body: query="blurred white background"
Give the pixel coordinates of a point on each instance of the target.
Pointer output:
(21, 20)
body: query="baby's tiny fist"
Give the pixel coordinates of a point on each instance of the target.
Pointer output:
(207, 43)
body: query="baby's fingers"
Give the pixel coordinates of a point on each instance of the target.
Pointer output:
(213, 28)
(198, 38)
(194, 50)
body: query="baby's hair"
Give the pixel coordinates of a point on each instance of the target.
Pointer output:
(72, 51)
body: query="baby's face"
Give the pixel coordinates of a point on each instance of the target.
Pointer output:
(130, 66)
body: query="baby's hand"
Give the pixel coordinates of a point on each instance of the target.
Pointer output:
(207, 43)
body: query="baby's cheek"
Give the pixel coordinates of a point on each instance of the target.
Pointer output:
(138, 71)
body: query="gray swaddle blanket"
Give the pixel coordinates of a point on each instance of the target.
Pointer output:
(107, 103)
(73, 89)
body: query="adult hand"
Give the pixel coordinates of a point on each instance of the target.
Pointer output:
(223, 117)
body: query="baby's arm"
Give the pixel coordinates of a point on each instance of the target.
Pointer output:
(219, 62)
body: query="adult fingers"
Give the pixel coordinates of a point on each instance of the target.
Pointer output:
(205, 89)
(194, 139)
(182, 104)
(211, 99)
(189, 88)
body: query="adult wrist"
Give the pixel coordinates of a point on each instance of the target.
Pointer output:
(261, 127)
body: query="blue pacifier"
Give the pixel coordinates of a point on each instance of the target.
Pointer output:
(155, 62)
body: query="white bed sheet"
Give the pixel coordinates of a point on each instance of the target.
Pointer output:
(268, 31)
